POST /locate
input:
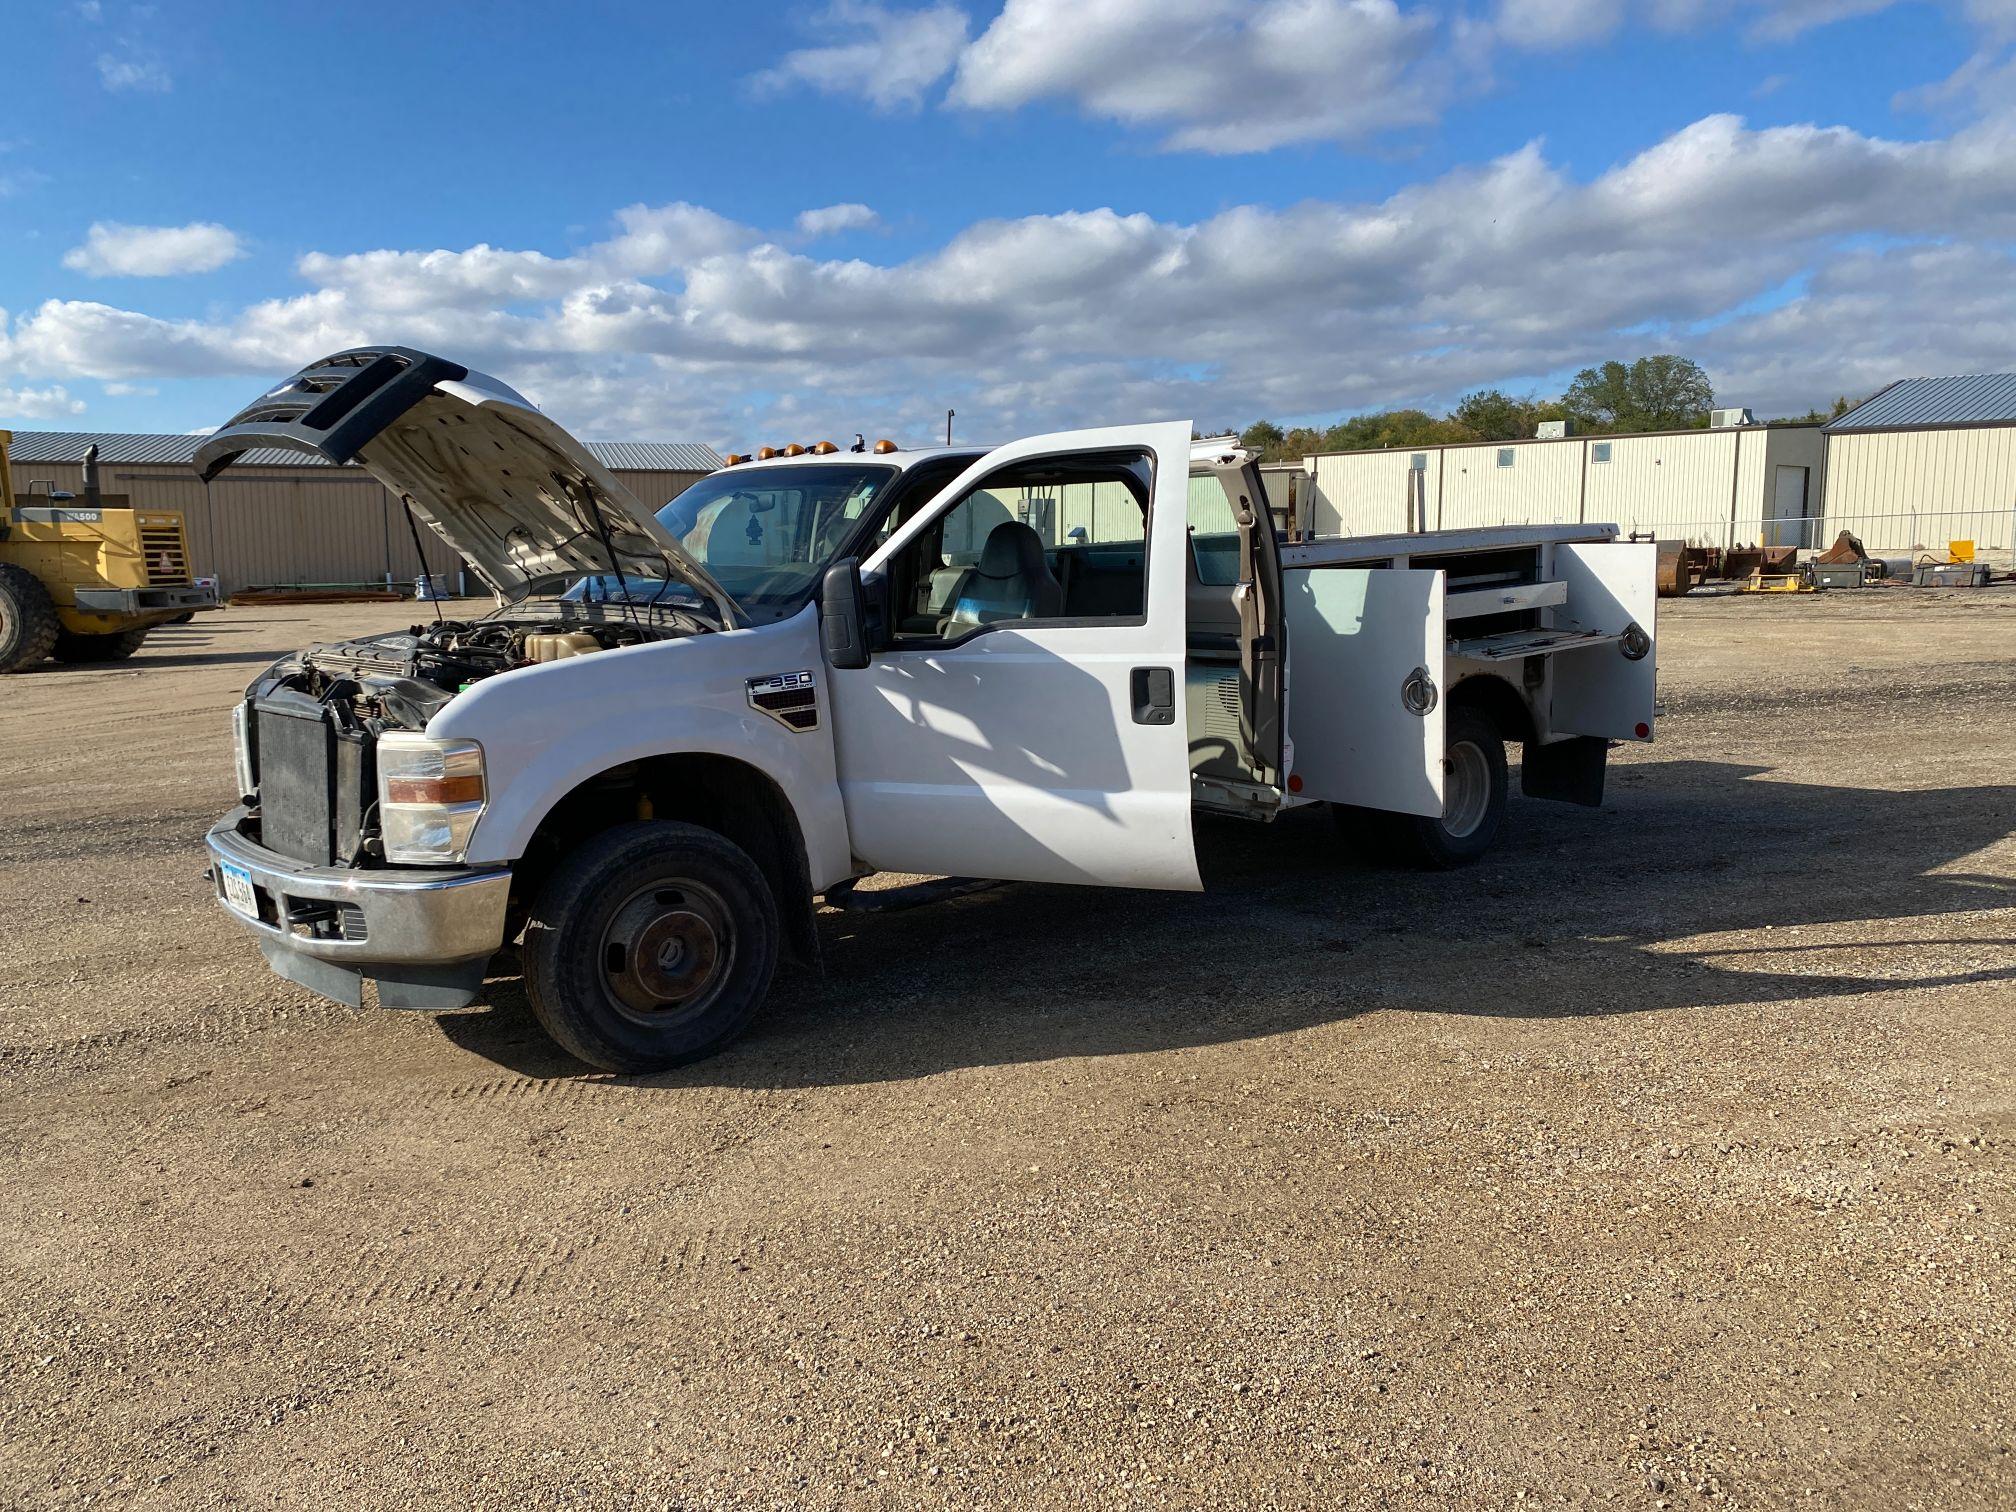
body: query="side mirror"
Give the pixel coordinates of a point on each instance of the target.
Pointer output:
(842, 624)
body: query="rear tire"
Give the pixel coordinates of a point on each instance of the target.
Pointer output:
(117, 646)
(1473, 809)
(28, 627)
(651, 946)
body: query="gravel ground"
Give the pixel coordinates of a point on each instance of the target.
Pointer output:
(1664, 1159)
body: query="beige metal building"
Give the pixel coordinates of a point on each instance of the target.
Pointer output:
(1720, 486)
(1926, 462)
(278, 518)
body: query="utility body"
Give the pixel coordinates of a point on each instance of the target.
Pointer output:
(684, 726)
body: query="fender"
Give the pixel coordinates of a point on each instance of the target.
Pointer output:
(546, 729)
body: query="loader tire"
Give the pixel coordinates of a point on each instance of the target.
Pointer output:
(652, 945)
(28, 627)
(117, 646)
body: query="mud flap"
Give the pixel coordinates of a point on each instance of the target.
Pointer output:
(1568, 771)
(339, 984)
(429, 986)
(402, 986)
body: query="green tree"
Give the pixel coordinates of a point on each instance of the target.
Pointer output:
(1299, 442)
(1264, 437)
(1494, 415)
(1653, 393)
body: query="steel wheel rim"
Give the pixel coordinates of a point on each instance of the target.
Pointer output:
(667, 952)
(1466, 790)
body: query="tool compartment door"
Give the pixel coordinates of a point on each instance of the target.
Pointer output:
(1366, 686)
(1608, 690)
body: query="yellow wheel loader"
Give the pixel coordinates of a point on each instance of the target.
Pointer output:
(84, 580)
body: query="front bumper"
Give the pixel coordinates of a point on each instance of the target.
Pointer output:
(423, 936)
(124, 601)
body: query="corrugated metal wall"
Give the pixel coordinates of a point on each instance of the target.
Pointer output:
(1365, 493)
(1682, 484)
(1900, 490)
(272, 526)
(1542, 486)
(1677, 483)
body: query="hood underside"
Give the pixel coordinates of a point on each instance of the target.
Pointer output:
(521, 500)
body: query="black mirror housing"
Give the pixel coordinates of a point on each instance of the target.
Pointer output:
(843, 628)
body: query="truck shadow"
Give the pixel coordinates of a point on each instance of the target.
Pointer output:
(1578, 913)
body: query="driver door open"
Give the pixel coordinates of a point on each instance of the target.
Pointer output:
(1021, 715)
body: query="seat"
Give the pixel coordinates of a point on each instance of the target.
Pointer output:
(1011, 581)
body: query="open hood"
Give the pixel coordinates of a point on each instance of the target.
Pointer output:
(521, 500)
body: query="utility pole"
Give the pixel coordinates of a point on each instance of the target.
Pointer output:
(948, 425)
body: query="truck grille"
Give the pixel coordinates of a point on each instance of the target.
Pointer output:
(312, 781)
(165, 552)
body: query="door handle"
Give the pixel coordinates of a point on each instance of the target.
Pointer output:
(1154, 693)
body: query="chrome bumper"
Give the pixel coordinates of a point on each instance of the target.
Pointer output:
(423, 935)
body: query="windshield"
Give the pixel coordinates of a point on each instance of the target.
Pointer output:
(766, 534)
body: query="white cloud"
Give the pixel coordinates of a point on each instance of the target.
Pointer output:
(1548, 24)
(831, 220)
(131, 390)
(478, 277)
(1216, 75)
(133, 72)
(888, 57)
(1500, 273)
(656, 239)
(1240, 76)
(52, 403)
(112, 250)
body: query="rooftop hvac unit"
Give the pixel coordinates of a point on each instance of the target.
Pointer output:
(1555, 430)
(1721, 419)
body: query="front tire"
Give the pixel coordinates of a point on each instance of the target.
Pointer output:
(28, 627)
(117, 646)
(651, 946)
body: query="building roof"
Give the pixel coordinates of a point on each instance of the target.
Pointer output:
(117, 447)
(1929, 403)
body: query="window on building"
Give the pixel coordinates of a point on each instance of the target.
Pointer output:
(1507, 456)
(1600, 452)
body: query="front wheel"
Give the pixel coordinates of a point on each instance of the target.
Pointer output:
(1474, 785)
(28, 628)
(651, 946)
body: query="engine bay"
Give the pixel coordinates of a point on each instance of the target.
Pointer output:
(399, 681)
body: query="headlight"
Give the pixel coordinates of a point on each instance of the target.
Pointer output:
(430, 795)
(241, 748)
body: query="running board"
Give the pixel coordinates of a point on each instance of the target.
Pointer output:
(849, 899)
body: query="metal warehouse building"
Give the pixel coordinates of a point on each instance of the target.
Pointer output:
(1927, 461)
(1729, 483)
(281, 518)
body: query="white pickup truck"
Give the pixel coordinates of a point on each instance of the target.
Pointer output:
(682, 727)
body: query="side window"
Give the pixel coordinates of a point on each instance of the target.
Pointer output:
(1214, 534)
(1059, 538)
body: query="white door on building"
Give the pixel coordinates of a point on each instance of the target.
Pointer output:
(1789, 525)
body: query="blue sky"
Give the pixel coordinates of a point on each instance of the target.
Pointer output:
(1052, 212)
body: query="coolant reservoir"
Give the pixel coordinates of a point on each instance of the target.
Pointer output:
(545, 648)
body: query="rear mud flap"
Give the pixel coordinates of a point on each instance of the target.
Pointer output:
(1568, 771)
(405, 986)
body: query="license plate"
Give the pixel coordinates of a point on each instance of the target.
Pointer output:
(238, 889)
